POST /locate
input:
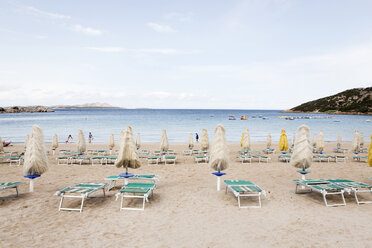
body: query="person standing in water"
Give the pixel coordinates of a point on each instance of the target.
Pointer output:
(69, 138)
(197, 137)
(90, 137)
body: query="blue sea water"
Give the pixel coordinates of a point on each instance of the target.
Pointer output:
(178, 123)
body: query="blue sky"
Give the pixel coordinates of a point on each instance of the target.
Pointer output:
(253, 54)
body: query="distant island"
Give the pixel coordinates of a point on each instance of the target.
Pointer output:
(356, 101)
(87, 105)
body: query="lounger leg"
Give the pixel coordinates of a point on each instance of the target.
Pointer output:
(301, 192)
(257, 206)
(336, 193)
(361, 202)
(82, 203)
(16, 190)
(60, 203)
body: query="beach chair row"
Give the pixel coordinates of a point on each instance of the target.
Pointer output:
(249, 158)
(98, 160)
(325, 158)
(12, 160)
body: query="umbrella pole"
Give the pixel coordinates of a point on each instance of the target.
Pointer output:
(31, 185)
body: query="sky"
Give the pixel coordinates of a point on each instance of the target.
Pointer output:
(250, 54)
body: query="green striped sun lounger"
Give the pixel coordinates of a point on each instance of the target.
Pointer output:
(355, 187)
(153, 160)
(82, 191)
(113, 179)
(245, 158)
(201, 159)
(63, 160)
(285, 157)
(321, 186)
(360, 158)
(170, 159)
(261, 158)
(269, 150)
(135, 190)
(4, 186)
(321, 157)
(241, 188)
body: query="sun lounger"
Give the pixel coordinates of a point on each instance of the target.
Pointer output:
(82, 191)
(171, 152)
(262, 158)
(322, 186)
(187, 152)
(338, 158)
(170, 159)
(135, 190)
(79, 160)
(102, 160)
(353, 186)
(157, 153)
(245, 158)
(285, 157)
(113, 179)
(153, 160)
(201, 159)
(269, 150)
(321, 158)
(143, 154)
(13, 185)
(66, 160)
(242, 188)
(340, 150)
(360, 158)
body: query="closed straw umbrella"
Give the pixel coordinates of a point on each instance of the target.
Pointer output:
(355, 145)
(361, 139)
(164, 145)
(283, 142)
(314, 140)
(26, 140)
(35, 158)
(191, 141)
(138, 141)
(339, 141)
(219, 159)
(268, 140)
(55, 143)
(369, 160)
(293, 139)
(111, 142)
(128, 157)
(1, 145)
(81, 145)
(204, 143)
(302, 152)
(320, 142)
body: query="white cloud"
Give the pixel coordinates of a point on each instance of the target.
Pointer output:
(106, 49)
(87, 30)
(38, 12)
(41, 37)
(161, 28)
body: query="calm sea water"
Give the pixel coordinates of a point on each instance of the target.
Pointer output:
(178, 123)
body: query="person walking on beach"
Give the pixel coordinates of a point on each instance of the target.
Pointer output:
(69, 138)
(197, 137)
(90, 137)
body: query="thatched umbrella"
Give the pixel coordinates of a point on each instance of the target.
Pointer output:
(128, 157)
(138, 141)
(35, 158)
(361, 139)
(81, 145)
(191, 141)
(164, 145)
(355, 144)
(55, 143)
(293, 140)
(268, 140)
(1, 145)
(302, 152)
(314, 140)
(339, 141)
(369, 159)
(26, 140)
(320, 142)
(283, 142)
(219, 159)
(111, 142)
(204, 143)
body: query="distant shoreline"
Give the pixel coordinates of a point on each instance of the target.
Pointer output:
(327, 112)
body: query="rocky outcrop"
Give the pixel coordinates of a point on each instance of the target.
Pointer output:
(353, 101)
(20, 109)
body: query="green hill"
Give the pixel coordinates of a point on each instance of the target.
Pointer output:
(353, 101)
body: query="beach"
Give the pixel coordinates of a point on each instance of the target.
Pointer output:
(186, 210)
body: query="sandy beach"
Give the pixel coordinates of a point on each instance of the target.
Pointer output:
(186, 210)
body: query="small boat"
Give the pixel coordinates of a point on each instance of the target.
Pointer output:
(264, 118)
(368, 120)
(260, 116)
(243, 117)
(231, 118)
(253, 116)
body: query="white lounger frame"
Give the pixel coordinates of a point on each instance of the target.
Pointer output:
(253, 194)
(323, 192)
(82, 197)
(112, 181)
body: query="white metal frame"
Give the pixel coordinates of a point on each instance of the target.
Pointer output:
(252, 194)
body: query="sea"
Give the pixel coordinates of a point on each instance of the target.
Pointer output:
(179, 123)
